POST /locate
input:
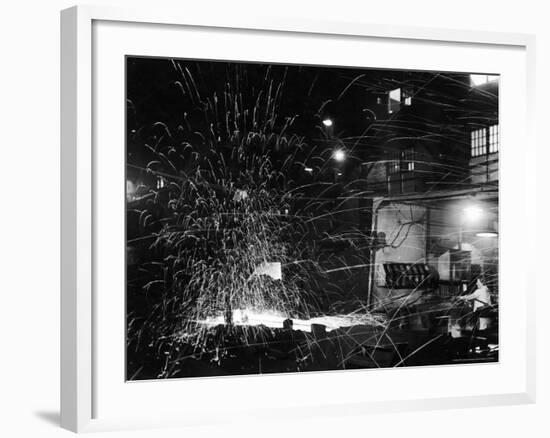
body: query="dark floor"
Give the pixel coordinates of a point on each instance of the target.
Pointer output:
(239, 351)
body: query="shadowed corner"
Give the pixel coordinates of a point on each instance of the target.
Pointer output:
(51, 417)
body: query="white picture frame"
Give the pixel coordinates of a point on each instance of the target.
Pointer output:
(80, 363)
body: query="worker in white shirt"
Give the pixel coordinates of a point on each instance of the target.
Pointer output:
(481, 297)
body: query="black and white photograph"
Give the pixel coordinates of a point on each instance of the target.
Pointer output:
(294, 218)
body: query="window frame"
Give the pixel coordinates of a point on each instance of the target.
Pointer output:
(402, 161)
(485, 141)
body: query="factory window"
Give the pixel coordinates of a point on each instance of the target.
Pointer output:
(398, 97)
(478, 142)
(477, 80)
(407, 159)
(406, 96)
(394, 100)
(402, 161)
(484, 141)
(493, 139)
(394, 165)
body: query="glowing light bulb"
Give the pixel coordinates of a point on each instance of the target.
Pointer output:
(473, 213)
(327, 123)
(339, 155)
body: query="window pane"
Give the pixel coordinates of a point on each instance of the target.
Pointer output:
(394, 100)
(479, 142)
(477, 80)
(493, 139)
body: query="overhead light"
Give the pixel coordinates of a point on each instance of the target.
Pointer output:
(487, 233)
(473, 213)
(327, 123)
(308, 169)
(489, 229)
(339, 155)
